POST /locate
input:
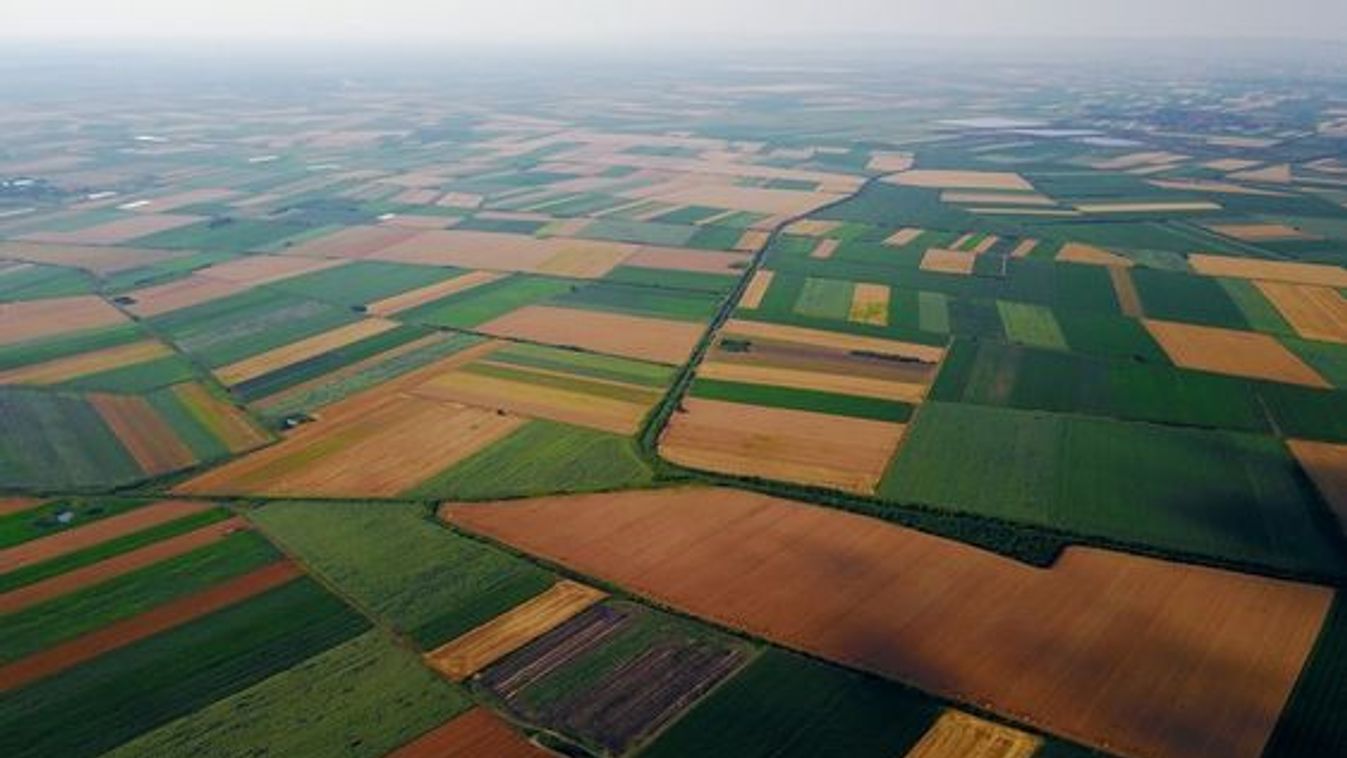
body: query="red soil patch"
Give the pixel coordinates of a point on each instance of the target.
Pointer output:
(478, 732)
(146, 436)
(63, 584)
(167, 616)
(11, 505)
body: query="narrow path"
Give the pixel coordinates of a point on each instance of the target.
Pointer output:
(657, 420)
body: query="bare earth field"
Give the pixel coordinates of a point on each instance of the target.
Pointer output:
(651, 339)
(1228, 351)
(965, 180)
(948, 261)
(1326, 463)
(183, 293)
(1316, 313)
(35, 319)
(377, 444)
(1276, 271)
(1131, 654)
(477, 732)
(146, 436)
(776, 443)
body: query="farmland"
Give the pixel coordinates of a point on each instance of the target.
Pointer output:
(823, 401)
(632, 539)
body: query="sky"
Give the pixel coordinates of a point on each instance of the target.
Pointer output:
(635, 22)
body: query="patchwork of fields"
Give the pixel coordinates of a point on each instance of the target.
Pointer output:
(755, 411)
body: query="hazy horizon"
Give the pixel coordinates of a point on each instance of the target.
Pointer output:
(617, 23)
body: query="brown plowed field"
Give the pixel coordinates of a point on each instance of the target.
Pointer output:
(1320, 274)
(353, 242)
(62, 584)
(652, 339)
(479, 732)
(1075, 252)
(122, 633)
(756, 289)
(905, 236)
(264, 269)
(145, 435)
(378, 444)
(591, 409)
(959, 735)
(981, 180)
(1326, 464)
(870, 304)
(1316, 313)
(230, 425)
(1260, 232)
(35, 319)
(11, 505)
(100, 260)
(97, 532)
(948, 261)
(1129, 300)
(498, 251)
(1228, 351)
(184, 293)
(464, 656)
(775, 443)
(1136, 655)
(115, 232)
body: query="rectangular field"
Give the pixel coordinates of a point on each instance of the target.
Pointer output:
(464, 656)
(777, 443)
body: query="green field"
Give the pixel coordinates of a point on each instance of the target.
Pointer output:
(1225, 496)
(90, 555)
(399, 564)
(54, 440)
(825, 298)
(591, 365)
(236, 327)
(992, 373)
(1031, 325)
(364, 697)
(802, 400)
(93, 707)
(59, 619)
(542, 457)
(59, 516)
(338, 387)
(783, 705)
(1312, 723)
(465, 310)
